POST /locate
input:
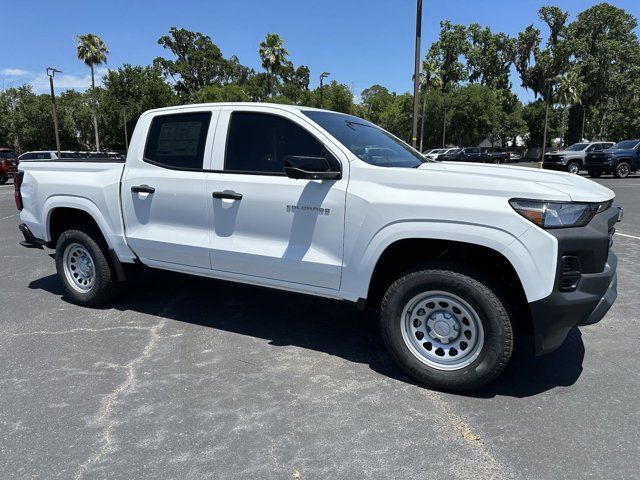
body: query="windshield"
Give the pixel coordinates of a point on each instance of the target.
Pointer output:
(367, 141)
(453, 151)
(576, 147)
(626, 145)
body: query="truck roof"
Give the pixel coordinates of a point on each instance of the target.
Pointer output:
(292, 108)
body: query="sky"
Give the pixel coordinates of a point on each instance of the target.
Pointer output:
(360, 43)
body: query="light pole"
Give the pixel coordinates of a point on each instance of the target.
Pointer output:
(51, 72)
(444, 128)
(416, 74)
(322, 77)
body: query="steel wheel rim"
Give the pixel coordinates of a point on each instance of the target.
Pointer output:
(428, 324)
(79, 267)
(574, 168)
(623, 170)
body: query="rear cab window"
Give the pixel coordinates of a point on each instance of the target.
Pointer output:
(177, 141)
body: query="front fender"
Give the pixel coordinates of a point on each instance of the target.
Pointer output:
(532, 254)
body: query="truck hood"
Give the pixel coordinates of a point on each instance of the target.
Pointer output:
(524, 182)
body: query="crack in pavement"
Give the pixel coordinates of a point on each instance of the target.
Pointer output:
(77, 330)
(103, 417)
(488, 467)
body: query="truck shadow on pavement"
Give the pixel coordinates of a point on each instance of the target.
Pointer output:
(331, 327)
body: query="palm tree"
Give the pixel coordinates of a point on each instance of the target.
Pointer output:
(92, 51)
(274, 57)
(429, 76)
(570, 89)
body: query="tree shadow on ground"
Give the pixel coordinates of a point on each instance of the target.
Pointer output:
(332, 327)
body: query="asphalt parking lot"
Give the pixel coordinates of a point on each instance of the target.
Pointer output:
(190, 378)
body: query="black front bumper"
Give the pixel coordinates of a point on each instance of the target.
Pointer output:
(554, 166)
(595, 291)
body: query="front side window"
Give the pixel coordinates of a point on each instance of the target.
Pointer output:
(577, 147)
(178, 141)
(259, 143)
(368, 142)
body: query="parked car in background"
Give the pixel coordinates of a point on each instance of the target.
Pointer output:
(446, 151)
(475, 154)
(47, 155)
(620, 160)
(433, 154)
(467, 154)
(8, 164)
(572, 159)
(494, 155)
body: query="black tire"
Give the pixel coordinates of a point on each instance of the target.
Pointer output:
(105, 284)
(622, 170)
(494, 353)
(593, 174)
(3, 179)
(573, 167)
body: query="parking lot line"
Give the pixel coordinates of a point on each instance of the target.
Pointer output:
(627, 236)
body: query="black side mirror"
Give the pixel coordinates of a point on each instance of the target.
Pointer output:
(310, 168)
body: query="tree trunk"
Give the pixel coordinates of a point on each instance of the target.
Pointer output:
(544, 135)
(424, 110)
(604, 117)
(93, 109)
(565, 118)
(584, 119)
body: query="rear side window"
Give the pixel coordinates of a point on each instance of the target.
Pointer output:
(258, 143)
(178, 141)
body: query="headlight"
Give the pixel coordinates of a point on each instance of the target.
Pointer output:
(558, 214)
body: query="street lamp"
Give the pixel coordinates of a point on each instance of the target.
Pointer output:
(322, 77)
(416, 74)
(51, 72)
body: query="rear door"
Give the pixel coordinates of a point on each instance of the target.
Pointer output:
(164, 196)
(266, 224)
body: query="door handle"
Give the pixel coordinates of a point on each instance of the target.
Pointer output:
(229, 195)
(142, 189)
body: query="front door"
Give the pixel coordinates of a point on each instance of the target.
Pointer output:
(268, 225)
(164, 196)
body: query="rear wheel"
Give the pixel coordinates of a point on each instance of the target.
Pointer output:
(573, 167)
(622, 170)
(82, 265)
(446, 329)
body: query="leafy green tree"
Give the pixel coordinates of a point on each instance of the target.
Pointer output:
(540, 67)
(274, 58)
(570, 89)
(447, 52)
(397, 119)
(429, 77)
(92, 50)
(337, 97)
(604, 43)
(375, 100)
(222, 93)
(128, 92)
(475, 113)
(489, 57)
(198, 62)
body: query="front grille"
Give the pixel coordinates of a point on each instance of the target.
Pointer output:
(571, 273)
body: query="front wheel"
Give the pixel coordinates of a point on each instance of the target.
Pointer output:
(573, 167)
(82, 265)
(622, 170)
(446, 329)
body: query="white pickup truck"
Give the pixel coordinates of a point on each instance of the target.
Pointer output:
(459, 258)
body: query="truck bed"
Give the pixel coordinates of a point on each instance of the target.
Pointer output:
(93, 183)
